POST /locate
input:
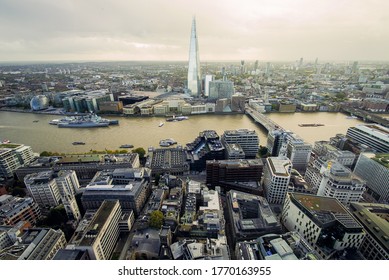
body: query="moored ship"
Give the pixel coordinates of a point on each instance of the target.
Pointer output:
(167, 142)
(87, 121)
(177, 119)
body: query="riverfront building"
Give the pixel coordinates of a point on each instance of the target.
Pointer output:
(13, 156)
(207, 146)
(85, 166)
(372, 216)
(372, 135)
(194, 75)
(323, 221)
(220, 89)
(88, 101)
(374, 169)
(246, 138)
(167, 161)
(276, 178)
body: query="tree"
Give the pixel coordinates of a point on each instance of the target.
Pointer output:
(263, 151)
(156, 219)
(140, 151)
(45, 154)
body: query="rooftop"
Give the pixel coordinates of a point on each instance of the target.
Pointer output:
(382, 159)
(98, 222)
(325, 209)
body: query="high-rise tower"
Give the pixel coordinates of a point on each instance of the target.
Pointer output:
(194, 76)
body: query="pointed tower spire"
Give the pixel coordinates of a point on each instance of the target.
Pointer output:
(194, 75)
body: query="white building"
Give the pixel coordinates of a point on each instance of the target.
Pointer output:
(98, 231)
(246, 138)
(13, 156)
(372, 135)
(276, 178)
(208, 78)
(324, 222)
(43, 189)
(339, 182)
(50, 190)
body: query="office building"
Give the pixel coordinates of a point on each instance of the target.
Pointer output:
(194, 74)
(207, 146)
(87, 101)
(16, 209)
(374, 169)
(208, 78)
(344, 157)
(249, 216)
(299, 152)
(276, 140)
(167, 161)
(130, 186)
(235, 174)
(340, 182)
(324, 222)
(49, 189)
(35, 244)
(12, 157)
(85, 166)
(276, 178)
(98, 231)
(43, 189)
(246, 138)
(234, 151)
(238, 102)
(372, 135)
(221, 89)
(374, 218)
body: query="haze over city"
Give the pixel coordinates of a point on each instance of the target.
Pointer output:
(44, 30)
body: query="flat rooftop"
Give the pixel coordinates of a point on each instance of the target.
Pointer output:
(98, 222)
(81, 159)
(325, 209)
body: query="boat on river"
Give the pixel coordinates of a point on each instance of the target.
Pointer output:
(177, 119)
(126, 146)
(85, 121)
(167, 142)
(310, 124)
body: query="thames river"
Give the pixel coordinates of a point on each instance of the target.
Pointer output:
(34, 130)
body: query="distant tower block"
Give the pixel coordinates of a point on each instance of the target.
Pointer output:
(194, 75)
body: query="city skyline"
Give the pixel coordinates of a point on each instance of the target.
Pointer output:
(158, 31)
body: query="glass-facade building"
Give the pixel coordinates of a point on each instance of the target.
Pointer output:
(194, 75)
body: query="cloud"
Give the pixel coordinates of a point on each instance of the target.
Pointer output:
(227, 30)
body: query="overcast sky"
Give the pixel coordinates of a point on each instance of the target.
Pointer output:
(264, 30)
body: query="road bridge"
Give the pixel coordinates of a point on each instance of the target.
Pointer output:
(260, 118)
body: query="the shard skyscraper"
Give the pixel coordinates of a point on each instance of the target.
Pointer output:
(194, 75)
